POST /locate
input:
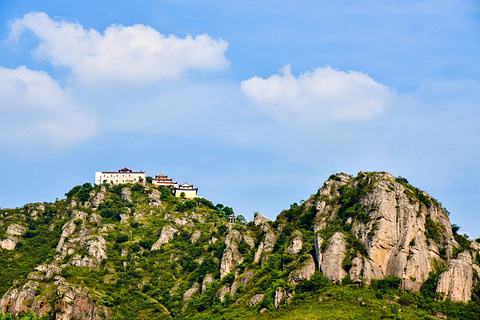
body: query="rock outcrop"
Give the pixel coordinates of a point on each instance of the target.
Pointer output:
(223, 292)
(71, 303)
(97, 252)
(75, 303)
(13, 233)
(363, 270)
(256, 299)
(97, 197)
(154, 198)
(190, 292)
(305, 272)
(207, 280)
(241, 281)
(231, 256)
(259, 219)
(195, 236)
(282, 297)
(77, 235)
(456, 282)
(402, 229)
(19, 300)
(297, 242)
(267, 244)
(332, 259)
(167, 234)
(126, 194)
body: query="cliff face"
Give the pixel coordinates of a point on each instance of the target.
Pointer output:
(128, 251)
(402, 231)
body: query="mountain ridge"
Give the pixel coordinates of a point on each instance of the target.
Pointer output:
(136, 251)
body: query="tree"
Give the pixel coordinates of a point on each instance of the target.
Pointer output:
(455, 228)
(241, 219)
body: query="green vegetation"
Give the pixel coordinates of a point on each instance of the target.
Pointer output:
(350, 199)
(138, 283)
(82, 193)
(36, 247)
(328, 301)
(432, 230)
(28, 316)
(416, 194)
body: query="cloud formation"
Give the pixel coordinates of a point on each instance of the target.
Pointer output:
(136, 53)
(321, 94)
(36, 111)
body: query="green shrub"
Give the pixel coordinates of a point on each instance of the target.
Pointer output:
(122, 237)
(429, 287)
(407, 299)
(81, 192)
(316, 283)
(432, 230)
(146, 243)
(386, 284)
(111, 213)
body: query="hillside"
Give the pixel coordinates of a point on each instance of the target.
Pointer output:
(369, 246)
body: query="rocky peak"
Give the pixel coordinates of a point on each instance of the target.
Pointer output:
(403, 231)
(259, 219)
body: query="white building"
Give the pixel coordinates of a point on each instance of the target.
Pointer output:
(187, 190)
(124, 175)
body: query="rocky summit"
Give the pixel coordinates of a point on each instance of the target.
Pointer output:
(369, 246)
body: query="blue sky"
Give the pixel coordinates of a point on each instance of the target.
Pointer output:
(256, 102)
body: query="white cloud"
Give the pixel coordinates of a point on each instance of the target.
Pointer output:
(136, 53)
(321, 94)
(37, 112)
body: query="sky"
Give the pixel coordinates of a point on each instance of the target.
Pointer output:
(255, 102)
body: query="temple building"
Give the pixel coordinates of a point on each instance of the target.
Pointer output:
(187, 190)
(124, 175)
(162, 180)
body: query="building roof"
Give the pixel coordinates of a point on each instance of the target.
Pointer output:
(123, 170)
(164, 179)
(186, 186)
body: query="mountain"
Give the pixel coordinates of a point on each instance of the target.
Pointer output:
(368, 246)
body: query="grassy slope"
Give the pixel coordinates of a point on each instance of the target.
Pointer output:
(352, 302)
